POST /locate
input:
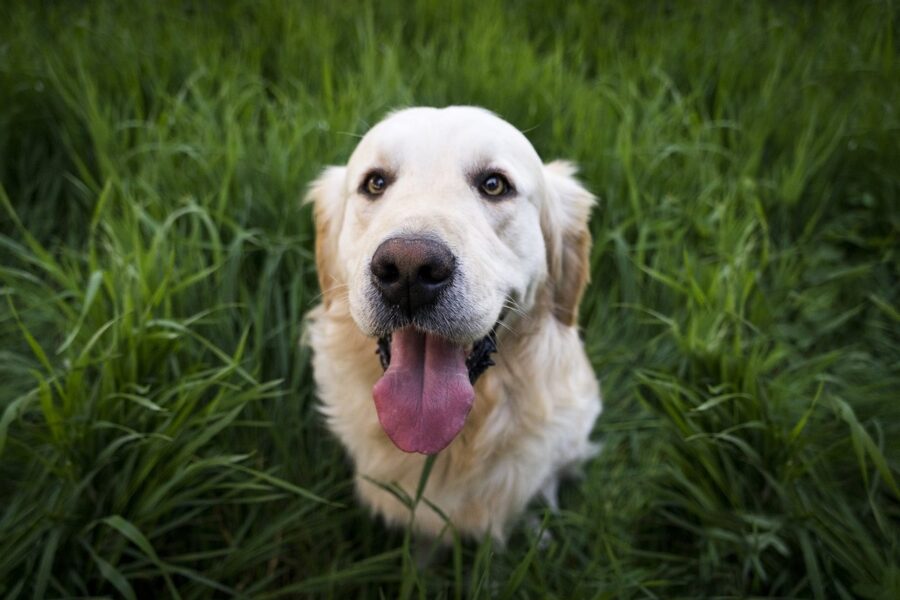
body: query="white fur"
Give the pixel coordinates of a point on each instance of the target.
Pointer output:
(534, 410)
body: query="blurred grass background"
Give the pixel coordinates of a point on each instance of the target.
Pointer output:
(158, 430)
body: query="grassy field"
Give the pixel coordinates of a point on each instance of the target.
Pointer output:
(158, 427)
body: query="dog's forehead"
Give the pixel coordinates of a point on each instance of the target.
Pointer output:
(468, 136)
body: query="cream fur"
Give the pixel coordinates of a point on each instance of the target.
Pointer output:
(535, 409)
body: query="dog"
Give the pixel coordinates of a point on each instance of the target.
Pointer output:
(451, 262)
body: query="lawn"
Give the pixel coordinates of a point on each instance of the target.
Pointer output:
(158, 426)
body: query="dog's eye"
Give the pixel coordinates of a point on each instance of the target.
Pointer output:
(494, 185)
(374, 184)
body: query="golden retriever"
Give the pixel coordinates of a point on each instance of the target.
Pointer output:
(451, 262)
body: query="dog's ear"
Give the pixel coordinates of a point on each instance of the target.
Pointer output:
(326, 194)
(564, 221)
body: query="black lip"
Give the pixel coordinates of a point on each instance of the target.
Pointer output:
(479, 358)
(477, 362)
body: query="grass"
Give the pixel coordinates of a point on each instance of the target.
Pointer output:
(158, 429)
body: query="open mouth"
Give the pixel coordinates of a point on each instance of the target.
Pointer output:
(477, 361)
(426, 391)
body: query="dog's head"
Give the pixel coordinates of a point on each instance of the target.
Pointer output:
(443, 223)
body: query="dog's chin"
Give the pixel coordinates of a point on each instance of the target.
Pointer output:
(426, 392)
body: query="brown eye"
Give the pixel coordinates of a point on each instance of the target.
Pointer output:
(494, 185)
(374, 184)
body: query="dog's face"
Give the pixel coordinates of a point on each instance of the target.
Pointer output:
(467, 185)
(444, 223)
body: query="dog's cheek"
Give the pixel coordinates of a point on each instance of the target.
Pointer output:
(361, 309)
(351, 251)
(361, 295)
(484, 299)
(530, 271)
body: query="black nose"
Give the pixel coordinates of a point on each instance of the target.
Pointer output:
(411, 271)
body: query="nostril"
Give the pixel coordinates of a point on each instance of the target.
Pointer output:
(433, 274)
(386, 272)
(425, 275)
(391, 274)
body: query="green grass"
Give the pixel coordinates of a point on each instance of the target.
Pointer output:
(158, 427)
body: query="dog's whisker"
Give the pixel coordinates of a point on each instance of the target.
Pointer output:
(507, 327)
(343, 289)
(513, 307)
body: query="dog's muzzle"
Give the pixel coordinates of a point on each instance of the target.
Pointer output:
(426, 391)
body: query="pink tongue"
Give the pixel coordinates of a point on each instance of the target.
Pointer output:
(425, 395)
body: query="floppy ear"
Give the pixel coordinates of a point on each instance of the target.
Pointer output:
(326, 194)
(564, 221)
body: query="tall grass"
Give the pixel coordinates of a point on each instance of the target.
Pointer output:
(158, 428)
